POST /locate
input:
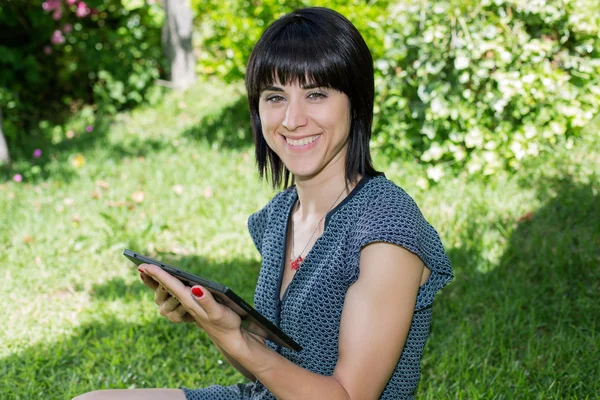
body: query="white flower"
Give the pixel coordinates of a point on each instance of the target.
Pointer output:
(474, 138)
(461, 62)
(435, 173)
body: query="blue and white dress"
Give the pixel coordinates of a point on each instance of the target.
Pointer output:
(310, 311)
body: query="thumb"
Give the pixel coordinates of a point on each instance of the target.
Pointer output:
(205, 299)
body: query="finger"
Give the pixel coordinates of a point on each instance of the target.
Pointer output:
(160, 295)
(171, 283)
(179, 314)
(169, 305)
(148, 281)
(212, 310)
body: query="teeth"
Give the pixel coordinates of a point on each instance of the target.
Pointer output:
(301, 142)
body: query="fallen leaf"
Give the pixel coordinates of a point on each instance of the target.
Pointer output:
(178, 189)
(138, 197)
(78, 161)
(180, 251)
(102, 184)
(208, 192)
(528, 216)
(28, 239)
(95, 194)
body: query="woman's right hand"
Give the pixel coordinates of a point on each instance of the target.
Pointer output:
(169, 306)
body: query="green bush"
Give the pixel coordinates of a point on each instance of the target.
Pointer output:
(461, 85)
(482, 85)
(227, 30)
(57, 55)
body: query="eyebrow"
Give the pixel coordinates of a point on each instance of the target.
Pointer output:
(279, 89)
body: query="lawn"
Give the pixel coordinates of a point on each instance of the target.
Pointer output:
(177, 181)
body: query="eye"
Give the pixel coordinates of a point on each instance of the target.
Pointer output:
(274, 98)
(317, 95)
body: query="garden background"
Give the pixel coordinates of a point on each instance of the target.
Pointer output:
(486, 113)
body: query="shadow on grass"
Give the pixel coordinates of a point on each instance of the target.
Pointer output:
(114, 353)
(527, 327)
(530, 323)
(62, 155)
(229, 127)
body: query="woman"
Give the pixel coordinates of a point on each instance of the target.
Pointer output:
(350, 266)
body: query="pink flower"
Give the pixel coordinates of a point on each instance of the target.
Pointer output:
(89, 128)
(82, 10)
(37, 153)
(57, 14)
(51, 5)
(71, 2)
(47, 50)
(18, 178)
(57, 38)
(67, 28)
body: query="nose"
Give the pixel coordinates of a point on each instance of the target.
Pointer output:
(295, 116)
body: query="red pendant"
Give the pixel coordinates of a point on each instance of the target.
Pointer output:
(294, 264)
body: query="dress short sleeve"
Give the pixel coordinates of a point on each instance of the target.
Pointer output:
(258, 222)
(392, 216)
(257, 225)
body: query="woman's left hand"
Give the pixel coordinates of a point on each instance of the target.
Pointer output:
(221, 323)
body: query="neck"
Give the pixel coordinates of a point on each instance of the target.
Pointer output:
(317, 195)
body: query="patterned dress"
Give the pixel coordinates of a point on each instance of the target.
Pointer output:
(310, 311)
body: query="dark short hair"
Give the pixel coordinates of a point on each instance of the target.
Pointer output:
(320, 46)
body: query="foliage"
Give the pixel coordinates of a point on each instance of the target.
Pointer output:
(59, 54)
(477, 85)
(483, 85)
(519, 321)
(229, 29)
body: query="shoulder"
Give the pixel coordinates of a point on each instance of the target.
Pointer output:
(385, 206)
(276, 205)
(390, 215)
(258, 221)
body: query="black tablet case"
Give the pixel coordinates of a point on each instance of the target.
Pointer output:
(252, 320)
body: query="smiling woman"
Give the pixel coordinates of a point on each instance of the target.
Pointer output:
(349, 265)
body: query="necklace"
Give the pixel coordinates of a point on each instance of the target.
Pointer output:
(295, 262)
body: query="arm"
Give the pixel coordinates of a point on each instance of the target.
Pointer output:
(375, 322)
(236, 364)
(171, 308)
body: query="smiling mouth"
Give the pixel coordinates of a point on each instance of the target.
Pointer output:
(301, 142)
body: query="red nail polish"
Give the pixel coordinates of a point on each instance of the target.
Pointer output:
(140, 269)
(197, 291)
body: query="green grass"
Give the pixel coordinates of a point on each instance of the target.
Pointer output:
(520, 320)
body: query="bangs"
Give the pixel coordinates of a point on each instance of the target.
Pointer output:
(319, 47)
(297, 54)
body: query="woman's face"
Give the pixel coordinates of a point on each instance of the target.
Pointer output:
(307, 127)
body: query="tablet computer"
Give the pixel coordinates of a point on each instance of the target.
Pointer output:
(252, 320)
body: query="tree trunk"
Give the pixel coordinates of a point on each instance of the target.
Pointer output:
(4, 156)
(177, 42)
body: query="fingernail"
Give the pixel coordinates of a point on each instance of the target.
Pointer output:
(196, 291)
(140, 269)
